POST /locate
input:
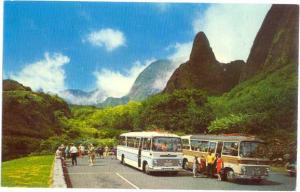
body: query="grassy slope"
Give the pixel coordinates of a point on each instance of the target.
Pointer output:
(265, 105)
(31, 171)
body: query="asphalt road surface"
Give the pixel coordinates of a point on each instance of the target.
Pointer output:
(107, 173)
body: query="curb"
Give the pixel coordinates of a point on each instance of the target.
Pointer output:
(58, 179)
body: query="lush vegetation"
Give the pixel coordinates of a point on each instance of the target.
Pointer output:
(265, 105)
(28, 118)
(33, 171)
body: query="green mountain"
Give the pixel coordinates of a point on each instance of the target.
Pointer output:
(276, 43)
(148, 82)
(264, 103)
(28, 117)
(257, 97)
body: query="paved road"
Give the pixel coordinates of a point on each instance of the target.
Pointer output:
(109, 173)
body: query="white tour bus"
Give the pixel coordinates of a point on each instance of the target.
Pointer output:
(151, 151)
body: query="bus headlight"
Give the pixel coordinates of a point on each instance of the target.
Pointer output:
(243, 170)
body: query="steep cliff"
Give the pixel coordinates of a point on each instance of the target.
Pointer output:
(276, 43)
(203, 71)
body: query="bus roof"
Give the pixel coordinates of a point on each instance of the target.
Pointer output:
(148, 134)
(223, 137)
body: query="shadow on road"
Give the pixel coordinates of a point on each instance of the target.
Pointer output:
(250, 182)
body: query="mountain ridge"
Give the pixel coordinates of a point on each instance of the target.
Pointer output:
(203, 71)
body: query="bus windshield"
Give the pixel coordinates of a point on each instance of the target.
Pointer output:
(253, 149)
(167, 144)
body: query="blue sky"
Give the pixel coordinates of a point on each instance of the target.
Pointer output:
(59, 45)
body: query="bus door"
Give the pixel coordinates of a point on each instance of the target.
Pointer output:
(219, 147)
(140, 151)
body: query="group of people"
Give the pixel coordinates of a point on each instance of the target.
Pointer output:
(71, 151)
(211, 163)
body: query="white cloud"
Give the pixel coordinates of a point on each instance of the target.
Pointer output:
(231, 28)
(181, 53)
(91, 98)
(117, 84)
(108, 38)
(47, 74)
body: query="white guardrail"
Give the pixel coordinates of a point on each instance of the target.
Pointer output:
(58, 179)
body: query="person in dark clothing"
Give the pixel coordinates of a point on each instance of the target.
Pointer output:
(101, 151)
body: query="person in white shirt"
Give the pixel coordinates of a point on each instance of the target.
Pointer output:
(73, 152)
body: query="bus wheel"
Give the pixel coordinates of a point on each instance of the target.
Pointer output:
(230, 175)
(122, 160)
(146, 168)
(185, 164)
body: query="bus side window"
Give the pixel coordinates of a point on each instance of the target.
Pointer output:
(122, 140)
(146, 143)
(212, 147)
(136, 142)
(194, 145)
(204, 146)
(130, 141)
(230, 148)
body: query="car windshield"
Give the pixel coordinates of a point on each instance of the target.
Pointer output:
(253, 149)
(168, 144)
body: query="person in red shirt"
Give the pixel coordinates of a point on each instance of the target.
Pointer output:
(220, 165)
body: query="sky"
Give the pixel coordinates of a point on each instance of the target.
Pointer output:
(54, 46)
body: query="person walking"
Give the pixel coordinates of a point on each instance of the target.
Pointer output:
(113, 153)
(101, 151)
(220, 166)
(210, 160)
(106, 151)
(195, 166)
(81, 150)
(58, 154)
(92, 154)
(67, 152)
(73, 153)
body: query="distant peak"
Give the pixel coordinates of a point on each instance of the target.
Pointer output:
(201, 39)
(201, 51)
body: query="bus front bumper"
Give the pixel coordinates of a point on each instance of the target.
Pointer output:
(160, 169)
(250, 177)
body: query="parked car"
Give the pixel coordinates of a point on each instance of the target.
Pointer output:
(291, 169)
